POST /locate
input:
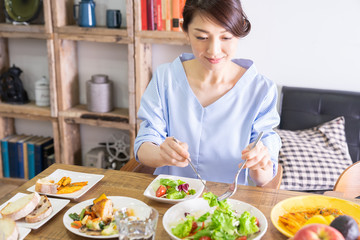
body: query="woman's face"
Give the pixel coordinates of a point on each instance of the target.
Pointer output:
(211, 44)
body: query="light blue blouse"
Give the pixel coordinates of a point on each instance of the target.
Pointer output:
(215, 134)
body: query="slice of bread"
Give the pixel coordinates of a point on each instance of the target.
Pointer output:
(42, 210)
(8, 227)
(21, 207)
(47, 186)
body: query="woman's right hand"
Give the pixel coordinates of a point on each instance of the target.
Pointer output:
(174, 152)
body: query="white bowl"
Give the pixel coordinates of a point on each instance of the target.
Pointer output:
(195, 184)
(201, 206)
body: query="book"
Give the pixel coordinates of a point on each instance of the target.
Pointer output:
(21, 169)
(13, 156)
(163, 13)
(48, 151)
(157, 15)
(168, 16)
(25, 156)
(5, 155)
(144, 26)
(31, 155)
(39, 146)
(150, 15)
(176, 16)
(51, 159)
(182, 5)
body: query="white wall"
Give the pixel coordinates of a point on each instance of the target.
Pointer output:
(299, 43)
(303, 43)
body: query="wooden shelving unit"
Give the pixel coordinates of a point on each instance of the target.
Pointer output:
(65, 113)
(9, 112)
(71, 113)
(143, 51)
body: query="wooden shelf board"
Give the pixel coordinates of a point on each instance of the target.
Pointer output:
(23, 31)
(162, 37)
(98, 34)
(26, 111)
(118, 118)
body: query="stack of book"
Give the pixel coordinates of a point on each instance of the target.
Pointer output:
(161, 15)
(25, 156)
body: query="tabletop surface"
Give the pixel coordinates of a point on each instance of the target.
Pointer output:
(130, 184)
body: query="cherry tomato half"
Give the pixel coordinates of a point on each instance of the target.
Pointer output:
(161, 191)
(205, 238)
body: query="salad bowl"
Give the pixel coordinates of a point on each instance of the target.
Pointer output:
(195, 184)
(200, 206)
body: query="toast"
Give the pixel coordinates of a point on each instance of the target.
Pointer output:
(21, 207)
(42, 210)
(8, 227)
(47, 186)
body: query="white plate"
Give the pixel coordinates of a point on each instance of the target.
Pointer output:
(23, 232)
(141, 210)
(57, 205)
(75, 177)
(200, 206)
(193, 184)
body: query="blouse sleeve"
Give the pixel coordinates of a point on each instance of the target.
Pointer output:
(267, 119)
(151, 112)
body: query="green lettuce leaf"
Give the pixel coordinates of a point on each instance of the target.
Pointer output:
(183, 229)
(247, 224)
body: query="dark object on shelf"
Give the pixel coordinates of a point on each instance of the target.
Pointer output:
(105, 118)
(20, 11)
(11, 87)
(113, 18)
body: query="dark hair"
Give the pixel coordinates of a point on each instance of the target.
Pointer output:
(228, 13)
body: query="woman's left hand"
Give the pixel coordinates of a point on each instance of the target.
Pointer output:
(257, 158)
(259, 163)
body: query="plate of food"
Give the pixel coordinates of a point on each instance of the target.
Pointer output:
(192, 219)
(95, 218)
(291, 214)
(31, 210)
(173, 189)
(66, 184)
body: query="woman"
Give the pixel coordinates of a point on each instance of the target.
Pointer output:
(215, 106)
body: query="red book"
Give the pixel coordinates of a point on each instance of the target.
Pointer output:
(150, 15)
(182, 5)
(157, 15)
(176, 15)
(144, 26)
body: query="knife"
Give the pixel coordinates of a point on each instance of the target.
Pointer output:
(192, 166)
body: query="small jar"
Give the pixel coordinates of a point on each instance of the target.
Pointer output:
(42, 92)
(99, 96)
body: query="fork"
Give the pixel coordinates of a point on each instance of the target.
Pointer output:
(233, 187)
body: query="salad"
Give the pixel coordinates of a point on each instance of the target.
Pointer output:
(223, 223)
(172, 189)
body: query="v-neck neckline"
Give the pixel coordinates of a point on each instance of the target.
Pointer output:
(186, 86)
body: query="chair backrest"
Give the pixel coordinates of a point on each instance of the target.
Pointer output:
(141, 168)
(349, 181)
(303, 108)
(276, 181)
